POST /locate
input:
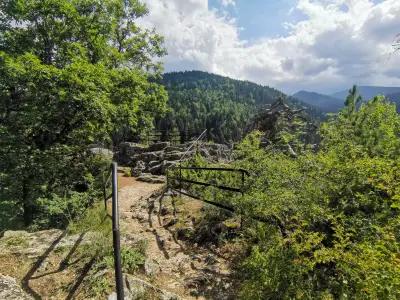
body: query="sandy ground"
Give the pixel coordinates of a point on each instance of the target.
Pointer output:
(187, 270)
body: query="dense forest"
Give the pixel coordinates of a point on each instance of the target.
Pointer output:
(223, 106)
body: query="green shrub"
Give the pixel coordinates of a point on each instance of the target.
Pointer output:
(331, 218)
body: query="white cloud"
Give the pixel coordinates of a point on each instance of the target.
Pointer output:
(339, 43)
(228, 2)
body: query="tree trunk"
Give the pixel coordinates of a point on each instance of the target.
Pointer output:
(27, 204)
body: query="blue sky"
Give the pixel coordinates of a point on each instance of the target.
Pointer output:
(261, 18)
(329, 45)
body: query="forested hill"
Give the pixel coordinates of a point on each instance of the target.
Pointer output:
(224, 106)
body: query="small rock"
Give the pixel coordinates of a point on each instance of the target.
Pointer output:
(151, 267)
(140, 289)
(151, 178)
(141, 216)
(139, 168)
(10, 290)
(112, 296)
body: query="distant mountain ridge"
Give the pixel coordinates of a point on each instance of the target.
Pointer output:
(324, 102)
(334, 102)
(368, 92)
(396, 99)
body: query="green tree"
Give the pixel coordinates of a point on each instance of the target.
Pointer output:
(352, 100)
(72, 73)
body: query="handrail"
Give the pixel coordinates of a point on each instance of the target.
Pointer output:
(206, 184)
(271, 219)
(113, 175)
(211, 169)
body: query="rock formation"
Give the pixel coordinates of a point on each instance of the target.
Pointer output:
(156, 158)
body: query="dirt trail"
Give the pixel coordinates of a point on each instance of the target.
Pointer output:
(189, 271)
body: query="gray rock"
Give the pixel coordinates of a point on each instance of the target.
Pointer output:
(127, 151)
(156, 170)
(151, 267)
(10, 290)
(139, 289)
(102, 152)
(35, 244)
(153, 163)
(139, 168)
(113, 296)
(177, 148)
(149, 156)
(151, 178)
(177, 155)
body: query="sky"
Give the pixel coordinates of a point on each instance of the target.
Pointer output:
(317, 45)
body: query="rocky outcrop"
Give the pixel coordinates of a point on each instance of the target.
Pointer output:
(156, 158)
(150, 178)
(11, 290)
(34, 244)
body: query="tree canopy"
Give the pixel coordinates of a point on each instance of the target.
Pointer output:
(72, 73)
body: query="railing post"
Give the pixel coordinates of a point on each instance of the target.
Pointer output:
(105, 192)
(180, 178)
(116, 236)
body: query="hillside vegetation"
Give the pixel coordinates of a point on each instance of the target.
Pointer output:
(223, 106)
(326, 103)
(330, 218)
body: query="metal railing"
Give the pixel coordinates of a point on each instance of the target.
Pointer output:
(269, 219)
(180, 180)
(113, 179)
